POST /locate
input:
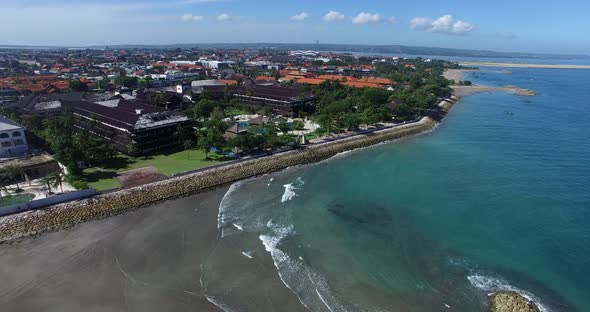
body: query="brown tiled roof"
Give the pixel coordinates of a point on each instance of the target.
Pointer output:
(121, 116)
(357, 84)
(311, 81)
(265, 78)
(229, 82)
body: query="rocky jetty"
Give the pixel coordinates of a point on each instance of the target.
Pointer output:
(510, 301)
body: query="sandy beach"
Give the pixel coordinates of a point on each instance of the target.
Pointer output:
(468, 90)
(525, 65)
(146, 260)
(458, 75)
(455, 74)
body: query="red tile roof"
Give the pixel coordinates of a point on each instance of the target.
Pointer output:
(265, 78)
(357, 84)
(229, 82)
(310, 81)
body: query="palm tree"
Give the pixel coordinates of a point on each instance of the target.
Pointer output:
(188, 145)
(13, 173)
(56, 178)
(46, 181)
(4, 180)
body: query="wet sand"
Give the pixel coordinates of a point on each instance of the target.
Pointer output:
(458, 75)
(146, 260)
(455, 74)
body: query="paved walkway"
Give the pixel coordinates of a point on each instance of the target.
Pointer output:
(36, 188)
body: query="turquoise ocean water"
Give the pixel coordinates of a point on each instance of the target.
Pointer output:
(496, 197)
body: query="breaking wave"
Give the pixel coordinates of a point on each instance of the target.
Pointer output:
(310, 287)
(218, 303)
(290, 190)
(225, 205)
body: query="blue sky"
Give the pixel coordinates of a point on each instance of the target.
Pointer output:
(500, 25)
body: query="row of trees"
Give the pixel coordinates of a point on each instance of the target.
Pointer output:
(14, 174)
(71, 146)
(342, 107)
(11, 174)
(211, 137)
(418, 85)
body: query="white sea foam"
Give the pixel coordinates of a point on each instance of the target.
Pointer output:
(492, 284)
(225, 204)
(310, 287)
(291, 188)
(218, 303)
(289, 192)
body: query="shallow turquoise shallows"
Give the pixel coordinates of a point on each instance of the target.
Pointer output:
(496, 197)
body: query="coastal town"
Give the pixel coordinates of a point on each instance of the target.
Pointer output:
(297, 156)
(88, 134)
(107, 119)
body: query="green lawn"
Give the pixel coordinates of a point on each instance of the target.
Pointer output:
(235, 111)
(101, 179)
(168, 164)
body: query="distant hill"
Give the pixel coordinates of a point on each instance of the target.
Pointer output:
(352, 48)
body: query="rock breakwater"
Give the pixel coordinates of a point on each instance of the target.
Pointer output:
(65, 215)
(510, 301)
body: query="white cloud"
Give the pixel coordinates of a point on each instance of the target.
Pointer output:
(392, 20)
(366, 18)
(191, 18)
(421, 23)
(461, 27)
(224, 17)
(333, 16)
(445, 24)
(299, 17)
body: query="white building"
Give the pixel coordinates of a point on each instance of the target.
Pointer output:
(12, 138)
(216, 64)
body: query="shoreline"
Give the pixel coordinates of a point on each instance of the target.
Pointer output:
(473, 89)
(458, 75)
(62, 216)
(63, 213)
(66, 215)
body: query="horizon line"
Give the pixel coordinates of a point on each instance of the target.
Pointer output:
(93, 46)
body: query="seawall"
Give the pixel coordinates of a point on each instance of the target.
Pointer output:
(65, 215)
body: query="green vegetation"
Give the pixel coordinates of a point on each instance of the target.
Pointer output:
(15, 199)
(235, 111)
(53, 180)
(418, 84)
(77, 85)
(298, 125)
(169, 164)
(70, 145)
(11, 174)
(342, 107)
(464, 83)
